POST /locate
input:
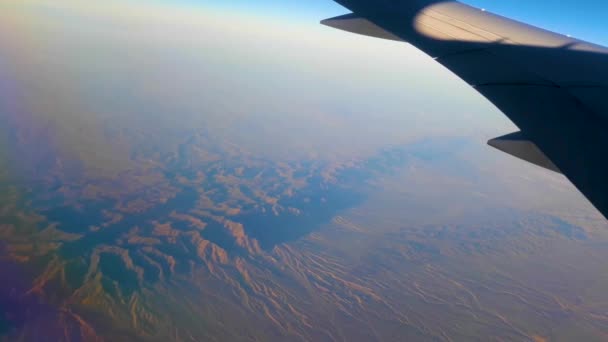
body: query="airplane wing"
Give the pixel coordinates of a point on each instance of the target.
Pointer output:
(552, 86)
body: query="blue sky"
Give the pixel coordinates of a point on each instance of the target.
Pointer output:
(585, 19)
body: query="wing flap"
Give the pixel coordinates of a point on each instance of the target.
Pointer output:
(517, 145)
(355, 24)
(565, 130)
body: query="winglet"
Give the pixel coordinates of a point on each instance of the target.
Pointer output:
(355, 24)
(516, 144)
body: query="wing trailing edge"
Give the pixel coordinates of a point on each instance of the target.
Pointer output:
(355, 24)
(517, 145)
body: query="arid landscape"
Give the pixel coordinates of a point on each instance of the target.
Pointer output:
(244, 249)
(141, 201)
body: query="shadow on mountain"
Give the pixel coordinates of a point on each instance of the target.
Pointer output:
(321, 201)
(316, 206)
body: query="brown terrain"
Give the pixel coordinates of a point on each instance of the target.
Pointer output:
(155, 185)
(202, 248)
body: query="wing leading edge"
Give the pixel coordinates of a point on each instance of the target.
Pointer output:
(553, 87)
